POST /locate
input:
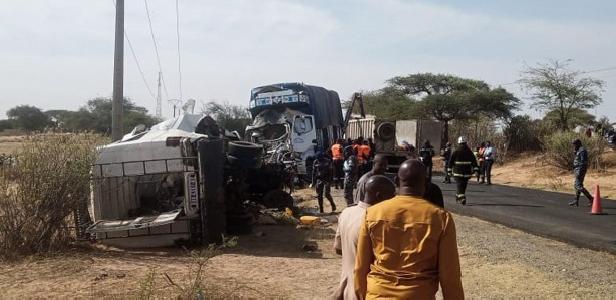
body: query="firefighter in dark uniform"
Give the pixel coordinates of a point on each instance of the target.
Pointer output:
(580, 165)
(426, 152)
(322, 175)
(446, 156)
(462, 165)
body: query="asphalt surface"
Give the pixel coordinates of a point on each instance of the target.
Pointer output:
(538, 212)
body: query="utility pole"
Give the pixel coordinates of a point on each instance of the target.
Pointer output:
(118, 74)
(159, 101)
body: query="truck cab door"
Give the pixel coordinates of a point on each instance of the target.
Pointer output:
(302, 134)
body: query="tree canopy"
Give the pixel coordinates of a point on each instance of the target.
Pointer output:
(435, 84)
(448, 97)
(387, 104)
(29, 118)
(229, 116)
(96, 116)
(577, 117)
(556, 88)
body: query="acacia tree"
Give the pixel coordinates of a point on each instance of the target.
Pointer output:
(447, 98)
(29, 118)
(556, 88)
(577, 117)
(229, 116)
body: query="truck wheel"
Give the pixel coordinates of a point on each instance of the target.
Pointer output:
(242, 149)
(386, 130)
(277, 199)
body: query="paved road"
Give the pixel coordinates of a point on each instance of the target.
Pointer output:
(538, 212)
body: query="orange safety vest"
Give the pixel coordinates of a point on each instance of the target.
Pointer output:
(481, 152)
(337, 152)
(363, 153)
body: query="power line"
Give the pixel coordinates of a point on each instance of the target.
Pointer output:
(132, 51)
(177, 26)
(160, 68)
(134, 55)
(599, 70)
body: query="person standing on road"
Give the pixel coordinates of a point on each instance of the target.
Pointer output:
(351, 171)
(462, 165)
(338, 157)
(378, 188)
(379, 167)
(489, 153)
(426, 152)
(322, 178)
(580, 166)
(407, 245)
(446, 156)
(479, 154)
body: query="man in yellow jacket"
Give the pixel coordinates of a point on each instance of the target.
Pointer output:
(407, 246)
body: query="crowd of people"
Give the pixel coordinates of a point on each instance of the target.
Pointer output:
(397, 244)
(348, 164)
(395, 236)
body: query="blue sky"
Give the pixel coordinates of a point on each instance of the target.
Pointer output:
(58, 54)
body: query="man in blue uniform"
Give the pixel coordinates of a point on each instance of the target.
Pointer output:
(580, 166)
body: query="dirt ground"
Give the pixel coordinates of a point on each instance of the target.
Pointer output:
(9, 144)
(532, 171)
(497, 262)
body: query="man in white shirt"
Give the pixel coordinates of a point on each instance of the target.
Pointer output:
(488, 160)
(378, 188)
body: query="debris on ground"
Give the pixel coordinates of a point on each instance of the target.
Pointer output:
(272, 216)
(310, 246)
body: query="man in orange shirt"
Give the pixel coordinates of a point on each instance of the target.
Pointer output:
(338, 160)
(407, 245)
(363, 155)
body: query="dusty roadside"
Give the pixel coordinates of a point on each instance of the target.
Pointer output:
(532, 171)
(497, 262)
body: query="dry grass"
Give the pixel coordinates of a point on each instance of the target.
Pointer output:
(48, 184)
(10, 144)
(532, 171)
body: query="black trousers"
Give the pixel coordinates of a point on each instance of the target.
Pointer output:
(429, 171)
(447, 177)
(338, 173)
(580, 173)
(324, 187)
(487, 169)
(349, 184)
(461, 184)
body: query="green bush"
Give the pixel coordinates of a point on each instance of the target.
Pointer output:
(49, 183)
(560, 151)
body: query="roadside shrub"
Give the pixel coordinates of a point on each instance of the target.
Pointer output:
(560, 151)
(522, 134)
(48, 184)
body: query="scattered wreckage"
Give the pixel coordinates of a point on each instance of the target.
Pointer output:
(184, 180)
